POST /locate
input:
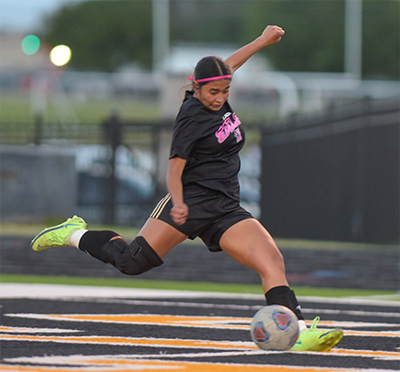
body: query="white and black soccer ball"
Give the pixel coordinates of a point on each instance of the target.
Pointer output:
(274, 327)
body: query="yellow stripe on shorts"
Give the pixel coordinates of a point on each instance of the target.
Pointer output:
(160, 206)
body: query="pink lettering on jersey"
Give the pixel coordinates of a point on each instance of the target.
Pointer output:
(229, 125)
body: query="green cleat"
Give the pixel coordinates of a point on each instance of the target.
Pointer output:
(57, 236)
(317, 340)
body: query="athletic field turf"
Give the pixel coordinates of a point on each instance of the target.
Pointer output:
(73, 328)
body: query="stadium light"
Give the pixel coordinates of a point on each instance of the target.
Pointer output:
(30, 44)
(60, 55)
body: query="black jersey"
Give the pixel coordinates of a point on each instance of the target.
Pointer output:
(210, 142)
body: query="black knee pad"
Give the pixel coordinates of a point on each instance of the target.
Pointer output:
(92, 242)
(112, 250)
(133, 259)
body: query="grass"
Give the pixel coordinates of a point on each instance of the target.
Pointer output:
(30, 230)
(16, 107)
(185, 286)
(332, 245)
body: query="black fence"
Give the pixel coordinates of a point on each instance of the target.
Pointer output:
(106, 193)
(117, 133)
(334, 177)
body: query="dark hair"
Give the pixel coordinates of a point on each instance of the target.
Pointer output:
(210, 67)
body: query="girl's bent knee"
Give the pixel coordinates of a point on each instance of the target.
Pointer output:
(134, 259)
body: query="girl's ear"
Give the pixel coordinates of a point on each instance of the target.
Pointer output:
(196, 87)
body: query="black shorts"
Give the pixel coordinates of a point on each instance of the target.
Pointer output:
(211, 213)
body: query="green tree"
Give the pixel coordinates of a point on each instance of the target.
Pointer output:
(103, 35)
(207, 21)
(314, 33)
(381, 39)
(314, 39)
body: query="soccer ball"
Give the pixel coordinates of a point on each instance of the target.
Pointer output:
(274, 327)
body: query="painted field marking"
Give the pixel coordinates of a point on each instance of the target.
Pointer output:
(376, 354)
(372, 334)
(190, 344)
(155, 362)
(255, 308)
(353, 312)
(162, 303)
(60, 292)
(195, 321)
(148, 319)
(346, 324)
(36, 330)
(79, 359)
(171, 366)
(151, 342)
(161, 362)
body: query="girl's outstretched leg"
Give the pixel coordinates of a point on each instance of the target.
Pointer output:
(155, 239)
(135, 258)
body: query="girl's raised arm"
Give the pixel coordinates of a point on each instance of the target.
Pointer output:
(271, 35)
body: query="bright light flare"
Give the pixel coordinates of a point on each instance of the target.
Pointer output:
(30, 44)
(60, 55)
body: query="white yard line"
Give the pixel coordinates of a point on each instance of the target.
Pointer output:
(57, 291)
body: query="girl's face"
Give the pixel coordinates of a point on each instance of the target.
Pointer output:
(213, 94)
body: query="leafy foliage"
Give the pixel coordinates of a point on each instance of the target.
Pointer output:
(381, 39)
(314, 32)
(103, 35)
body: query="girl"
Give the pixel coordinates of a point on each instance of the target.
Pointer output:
(203, 198)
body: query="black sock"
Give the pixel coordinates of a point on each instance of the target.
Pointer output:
(93, 241)
(283, 295)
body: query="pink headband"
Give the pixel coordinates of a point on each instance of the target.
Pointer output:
(211, 78)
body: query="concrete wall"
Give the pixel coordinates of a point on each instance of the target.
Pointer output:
(36, 182)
